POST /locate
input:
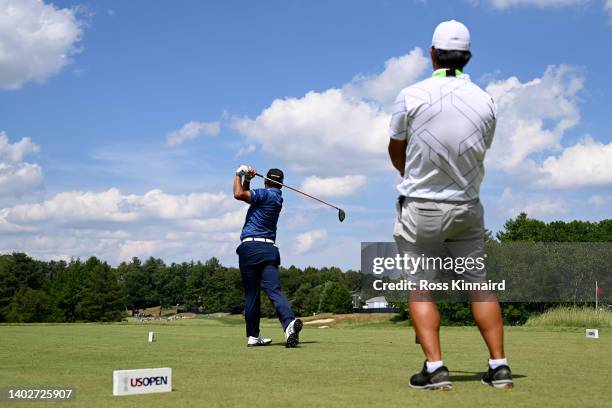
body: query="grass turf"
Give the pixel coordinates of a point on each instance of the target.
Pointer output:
(340, 366)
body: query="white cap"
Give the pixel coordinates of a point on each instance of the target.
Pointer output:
(451, 35)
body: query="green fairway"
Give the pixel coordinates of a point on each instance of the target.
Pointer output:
(367, 365)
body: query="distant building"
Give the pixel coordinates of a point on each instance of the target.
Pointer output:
(379, 302)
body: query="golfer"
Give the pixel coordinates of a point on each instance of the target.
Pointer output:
(259, 258)
(440, 131)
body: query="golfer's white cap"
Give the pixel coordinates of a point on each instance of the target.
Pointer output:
(451, 35)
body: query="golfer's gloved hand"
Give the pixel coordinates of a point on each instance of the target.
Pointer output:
(251, 173)
(242, 170)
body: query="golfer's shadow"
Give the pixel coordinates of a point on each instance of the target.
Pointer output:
(301, 342)
(465, 376)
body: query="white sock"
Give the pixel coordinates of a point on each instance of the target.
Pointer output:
(496, 363)
(433, 365)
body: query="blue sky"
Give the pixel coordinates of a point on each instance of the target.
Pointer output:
(91, 93)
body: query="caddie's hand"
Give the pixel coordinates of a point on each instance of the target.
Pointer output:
(242, 170)
(251, 173)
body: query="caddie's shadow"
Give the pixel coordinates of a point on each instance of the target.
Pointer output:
(466, 376)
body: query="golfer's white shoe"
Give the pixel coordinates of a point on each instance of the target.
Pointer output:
(258, 341)
(292, 333)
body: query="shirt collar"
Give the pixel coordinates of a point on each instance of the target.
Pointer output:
(441, 72)
(276, 190)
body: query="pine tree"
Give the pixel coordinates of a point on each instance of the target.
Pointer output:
(101, 298)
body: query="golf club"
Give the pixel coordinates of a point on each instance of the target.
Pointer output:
(341, 213)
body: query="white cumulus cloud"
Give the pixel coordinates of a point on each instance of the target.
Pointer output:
(15, 152)
(36, 40)
(333, 186)
(229, 220)
(117, 226)
(309, 241)
(18, 177)
(309, 132)
(192, 130)
(584, 164)
(399, 72)
(113, 206)
(533, 116)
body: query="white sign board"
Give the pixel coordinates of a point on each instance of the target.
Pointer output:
(592, 333)
(144, 381)
(152, 337)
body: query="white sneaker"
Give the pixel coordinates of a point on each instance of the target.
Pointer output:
(292, 333)
(258, 341)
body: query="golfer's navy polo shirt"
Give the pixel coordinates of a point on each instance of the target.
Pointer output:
(261, 219)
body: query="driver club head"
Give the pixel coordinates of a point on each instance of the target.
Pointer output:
(341, 215)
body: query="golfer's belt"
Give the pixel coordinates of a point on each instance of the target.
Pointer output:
(269, 241)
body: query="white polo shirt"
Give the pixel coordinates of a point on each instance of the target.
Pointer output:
(449, 124)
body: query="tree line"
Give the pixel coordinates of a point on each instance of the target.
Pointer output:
(92, 290)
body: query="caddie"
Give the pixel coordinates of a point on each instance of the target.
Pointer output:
(441, 129)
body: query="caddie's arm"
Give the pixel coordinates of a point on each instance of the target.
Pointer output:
(242, 187)
(397, 153)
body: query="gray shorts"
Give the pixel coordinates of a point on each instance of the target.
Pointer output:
(445, 230)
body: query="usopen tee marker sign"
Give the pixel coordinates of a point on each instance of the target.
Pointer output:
(145, 381)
